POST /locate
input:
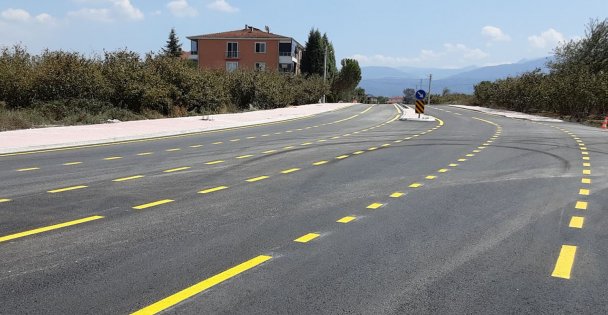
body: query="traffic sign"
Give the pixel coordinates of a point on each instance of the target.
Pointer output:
(420, 94)
(419, 107)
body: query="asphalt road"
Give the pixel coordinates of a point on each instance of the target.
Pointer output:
(350, 211)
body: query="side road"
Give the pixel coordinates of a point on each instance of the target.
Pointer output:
(56, 137)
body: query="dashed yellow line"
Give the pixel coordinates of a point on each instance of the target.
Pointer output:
(4, 200)
(583, 192)
(462, 160)
(173, 170)
(288, 147)
(346, 219)
(431, 177)
(219, 142)
(341, 157)
(269, 151)
(358, 152)
(375, 205)
(244, 156)
(49, 228)
(577, 222)
(415, 185)
(581, 205)
(145, 153)
(453, 165)
(320, 163)
(257, 179)
(71, 163)
(54, 191)
(586, 172)
(214, 162)
(201, 286)
(235, 140)
(111, 158)
(397, 194)
(124, 179)
(306, 238)
(443, 170)
(291, 170)
(586, 180)
(210, 190)
(564, 263)
(173, 150)
(196, 146)
(372, 149)
(153, 204)
(28, 169)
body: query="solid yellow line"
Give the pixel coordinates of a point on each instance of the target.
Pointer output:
(397, 195)
(173, 150)
(127, 178)
(72, 163)
(346, 219)
(581, 205)
(375, 205)
(291, 170)
(319, 163)
(112, 158)
(28, 169)
(48, 228)
(584, 192)
(564, 263)
(255, 179)
(214, 162)
(177, 169)
(201, 286)
(4, 200)
(306, 238)
(577, 222)
(66, 189)
(152, 204)
(416, 185)
(244, 156)
(210, 190)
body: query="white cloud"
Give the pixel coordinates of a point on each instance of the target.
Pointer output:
(17, 15)
(181, 8)
(222, 6)
(45, 18)
(452, 55)
(495, 34)
(119, 8)
(548, 38)
(125, 8)
(102, 15)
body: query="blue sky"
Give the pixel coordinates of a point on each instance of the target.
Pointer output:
(445, 34)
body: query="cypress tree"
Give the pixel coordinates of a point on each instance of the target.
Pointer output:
(173, 47)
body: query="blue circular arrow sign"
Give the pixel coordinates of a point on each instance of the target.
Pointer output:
(420, 94)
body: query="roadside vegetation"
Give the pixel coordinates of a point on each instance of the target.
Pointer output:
(575, 88)
(68, 88)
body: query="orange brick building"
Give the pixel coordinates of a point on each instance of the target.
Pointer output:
(249, 48)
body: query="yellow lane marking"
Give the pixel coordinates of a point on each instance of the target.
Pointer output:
(49, 228)
(375, 205)
(586, 172)
(346, 135)
(586, 158)
(210, 190)
(112, 158)
(306, 238)
(201, 286)
(252, 137)
(322, 140)
(336, 137)
(196, 146)
(585, 153)
(269, 151)
(235, 140)
(289, 147)
(173, 150)
(476, 151)
(54, 191)
(443, 170)
(255, 179)
(577, 222)
(124, 179)
(564, 263)
(583, 148)
(415, 185)
(341, 157)
(214, 162)
(306, 143)
(289, 131)
(266, 135)
(4, 200)
(481, 147)
(153, 204)
(72, 163)
(431, 177)
(584, 192)
(398, 141)
(346, 219)
(408, 138)
(386, 145)
(470, 155)
(319, 163)
(453, 165)
(28, 169)
(397, 195)
(244, 156)
(586, 164)
(581, 205)
(586, 180)
(372, 149)
(291, 170)
(462, 160)
(177, 169)
(145, 153)
(358, 152)
(219, 142)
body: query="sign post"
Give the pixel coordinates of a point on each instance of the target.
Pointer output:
(420, 95)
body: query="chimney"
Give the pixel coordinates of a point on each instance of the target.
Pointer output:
(246, 26)
(267, 29)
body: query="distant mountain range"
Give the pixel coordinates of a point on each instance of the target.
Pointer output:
(387, 81)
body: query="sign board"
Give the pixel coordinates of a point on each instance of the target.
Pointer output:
(420, 94)
(419, 107)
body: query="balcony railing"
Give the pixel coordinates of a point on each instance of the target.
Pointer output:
(286, 53)
(232, 54)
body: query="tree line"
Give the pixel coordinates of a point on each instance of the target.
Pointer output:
(575, 87)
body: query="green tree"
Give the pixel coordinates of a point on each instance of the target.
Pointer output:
(409, 96)
(332, 69)
(173, 48)
(347, 79)
(313, 58)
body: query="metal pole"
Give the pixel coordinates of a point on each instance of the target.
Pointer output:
(430, 79)
(325, 70)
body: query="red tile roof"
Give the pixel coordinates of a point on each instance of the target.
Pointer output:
(249, 32)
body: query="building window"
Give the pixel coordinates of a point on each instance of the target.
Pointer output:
(260, 66)
(260, 48)
(232, 50)
(194, 47)
(285, 67)
(232, 66)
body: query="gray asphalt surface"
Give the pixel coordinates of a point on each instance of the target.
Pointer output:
(481, 236)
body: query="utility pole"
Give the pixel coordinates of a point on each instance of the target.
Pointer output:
(430, 79)
(325, 70)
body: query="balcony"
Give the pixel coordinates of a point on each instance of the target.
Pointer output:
(232, 55)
